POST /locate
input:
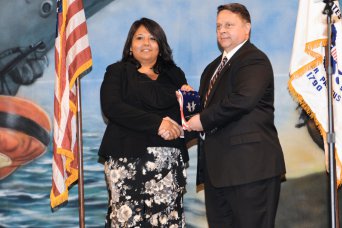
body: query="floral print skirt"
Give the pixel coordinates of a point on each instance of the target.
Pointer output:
(146, 191)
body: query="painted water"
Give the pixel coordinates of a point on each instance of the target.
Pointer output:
(25, 195)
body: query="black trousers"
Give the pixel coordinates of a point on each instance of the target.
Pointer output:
(252, 205)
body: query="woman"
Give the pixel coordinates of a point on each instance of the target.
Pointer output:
(142, 144)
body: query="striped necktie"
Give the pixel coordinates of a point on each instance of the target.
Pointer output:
(214, 77)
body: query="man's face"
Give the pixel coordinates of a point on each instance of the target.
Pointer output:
(231, 30)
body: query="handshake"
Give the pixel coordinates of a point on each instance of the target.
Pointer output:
(169, 129)
(189, 103)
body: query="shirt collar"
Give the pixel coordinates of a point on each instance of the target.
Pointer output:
(232, 52)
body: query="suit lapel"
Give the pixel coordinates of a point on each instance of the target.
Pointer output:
(224, 71)
(206, 80)
(219, 77)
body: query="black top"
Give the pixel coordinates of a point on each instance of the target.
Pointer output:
(135, 106)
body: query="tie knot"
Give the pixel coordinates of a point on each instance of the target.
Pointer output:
(224, 60)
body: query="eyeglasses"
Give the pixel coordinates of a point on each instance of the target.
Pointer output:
(226, 26)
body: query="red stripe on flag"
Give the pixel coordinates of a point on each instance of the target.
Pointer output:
(72, 59)
(334, 53)
(76, 34)
(74, 8)
(82, 59)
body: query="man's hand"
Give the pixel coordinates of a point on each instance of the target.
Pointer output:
(194, 123)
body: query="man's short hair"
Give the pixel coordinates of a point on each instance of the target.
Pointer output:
(236, 8)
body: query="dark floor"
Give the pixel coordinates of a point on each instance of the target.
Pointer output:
(305, 203)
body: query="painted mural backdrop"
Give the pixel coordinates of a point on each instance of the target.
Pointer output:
(26, 104)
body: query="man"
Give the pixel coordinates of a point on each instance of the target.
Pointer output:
(242, 158)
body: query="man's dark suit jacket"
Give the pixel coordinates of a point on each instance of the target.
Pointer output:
(241, 143)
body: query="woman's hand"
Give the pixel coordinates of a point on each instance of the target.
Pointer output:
(186, 87)
(169, 129)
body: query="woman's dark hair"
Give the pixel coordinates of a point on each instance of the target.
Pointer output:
(236, 8)
(165, 53)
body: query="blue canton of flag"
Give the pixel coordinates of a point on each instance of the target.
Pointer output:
(333, 49)
(189, 104)
(59, 6)
(59, 10)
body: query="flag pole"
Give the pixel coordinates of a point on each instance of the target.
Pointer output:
(80, 155)
(334, 221)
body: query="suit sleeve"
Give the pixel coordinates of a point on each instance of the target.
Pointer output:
(115, 109)
(251, 81)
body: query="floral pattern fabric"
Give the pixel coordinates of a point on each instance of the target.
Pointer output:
(146, 191)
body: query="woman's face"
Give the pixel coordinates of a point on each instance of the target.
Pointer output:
(144, 46)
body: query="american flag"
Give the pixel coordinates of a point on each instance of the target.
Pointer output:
(72, 59)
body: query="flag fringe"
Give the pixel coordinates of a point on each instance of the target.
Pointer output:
(69, 158)
(316, 62)
(299, 73)
(73, 107)
(57, 200)
(63, 197)
(84, 68)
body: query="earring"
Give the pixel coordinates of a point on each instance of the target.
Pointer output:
(130, 52)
